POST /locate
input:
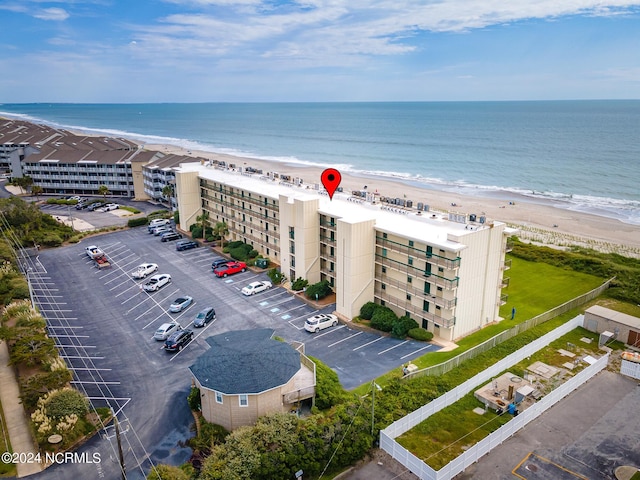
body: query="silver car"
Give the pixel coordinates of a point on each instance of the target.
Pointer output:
(165, 330)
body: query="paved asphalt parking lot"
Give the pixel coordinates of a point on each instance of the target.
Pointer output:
(103, 323)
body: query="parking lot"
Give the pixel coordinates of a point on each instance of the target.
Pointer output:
(104, 322)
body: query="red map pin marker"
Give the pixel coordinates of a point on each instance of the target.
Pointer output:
(331, 179)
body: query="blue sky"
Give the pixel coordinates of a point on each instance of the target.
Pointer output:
(318, 50)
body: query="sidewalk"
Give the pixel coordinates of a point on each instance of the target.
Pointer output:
(17, 424)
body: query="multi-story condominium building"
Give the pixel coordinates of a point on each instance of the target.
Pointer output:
(63, 163)
(443, 270)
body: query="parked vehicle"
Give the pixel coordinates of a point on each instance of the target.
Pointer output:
(186, 245)
(220, 262)
(144, 269)
(157, 282)
(177, 340)
(157, 222)
(180, 303)
(256, 287)
(165, 330)
(320, 322)
(102, 261)
(108, 207)
(230, 268)
(204, 317)
(74, 197)
(82, 204)
(93, 251)
(160, 230)
(94, 206)
(170, 236)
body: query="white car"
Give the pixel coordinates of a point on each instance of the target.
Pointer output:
(180, 303)
(93, 251)
(144, 269)
(108, 207)
(157, 282)
(256, 287)
(157, 231)
(166, 329)
(320, 322)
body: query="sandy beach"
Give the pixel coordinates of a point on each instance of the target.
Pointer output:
(540, 223)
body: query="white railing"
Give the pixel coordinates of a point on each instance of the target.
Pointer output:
(424, 471)
(630, 369)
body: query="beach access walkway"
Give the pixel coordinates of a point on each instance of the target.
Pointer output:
(16, 421)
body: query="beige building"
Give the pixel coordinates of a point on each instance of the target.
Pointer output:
(625, 328)
(247, 374)
(446, 271)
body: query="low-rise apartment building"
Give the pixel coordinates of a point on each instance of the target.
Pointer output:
(446, 271)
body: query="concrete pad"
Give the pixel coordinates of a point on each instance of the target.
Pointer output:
(566, 353)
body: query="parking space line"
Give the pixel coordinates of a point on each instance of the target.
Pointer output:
(54, 310)
(100, 382)
(368, 343)
(66, 335)
(415, 351)
(64, 326)
(82, 369)
(330, 330)
(74, 346)
(295, 308)
(136, 285)
(391, 348)
(345, 339)
(121, 283)
(83, 357)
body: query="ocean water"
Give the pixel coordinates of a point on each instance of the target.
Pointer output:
(580, 155)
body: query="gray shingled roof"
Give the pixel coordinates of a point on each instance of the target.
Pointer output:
(245, 361)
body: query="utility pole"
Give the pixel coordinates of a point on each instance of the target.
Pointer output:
(117, 428)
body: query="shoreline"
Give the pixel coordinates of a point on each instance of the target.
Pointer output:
(543, 221)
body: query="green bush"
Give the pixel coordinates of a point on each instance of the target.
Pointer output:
(210, 238)
(367, 310)
(329, 392)
(194, 399)
(299, 284)
(129, 209)
(318, 290)
(276, 276)
(32, 388)
(252, 253)
(402, 326)
(235, 244)
(137, 222)
(61, 201)
(383, 319)
(66, 402)
(196, 231)
(176, 217)
(50, 239)
(420, 334)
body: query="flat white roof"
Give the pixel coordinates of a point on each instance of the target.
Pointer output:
(433, 228)
(614, 316)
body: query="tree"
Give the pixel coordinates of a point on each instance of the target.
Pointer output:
(104, 191)
(204, 220)
(167, 472)
(167, 192)
(221, 229)
(37, 190)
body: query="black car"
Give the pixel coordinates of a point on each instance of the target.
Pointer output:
(169, 236)
(177, 340)
(186, 245)
(204, 317)
(218, 263)
(81, 204)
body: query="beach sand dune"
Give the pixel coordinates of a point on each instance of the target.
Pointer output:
(541, 223)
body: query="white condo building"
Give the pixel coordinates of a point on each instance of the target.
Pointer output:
(446, 271)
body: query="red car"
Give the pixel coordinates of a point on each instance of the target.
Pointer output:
(230, 268)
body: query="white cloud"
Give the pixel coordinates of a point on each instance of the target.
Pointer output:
(53, 13)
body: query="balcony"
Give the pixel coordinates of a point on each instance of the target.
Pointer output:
(435, 279)
(438, 260)
(404, 287)
(407, 306)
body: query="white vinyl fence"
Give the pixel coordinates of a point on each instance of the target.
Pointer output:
(424, 471)
(630, 369)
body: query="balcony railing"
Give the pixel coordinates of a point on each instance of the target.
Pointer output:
(417, 311)
(435, 279)
(438, 260)
(407, 288)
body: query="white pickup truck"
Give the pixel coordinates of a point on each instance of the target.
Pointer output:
(94, 252)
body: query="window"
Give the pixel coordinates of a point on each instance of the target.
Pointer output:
(384, 269)
(384, 235)
(384, 287)
(384, 252)
(411, 243)
(218, 397)
(409, 279)
(408, 297)
(244, 400)
(410, 261)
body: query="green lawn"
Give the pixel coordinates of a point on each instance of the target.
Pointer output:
(534, 288)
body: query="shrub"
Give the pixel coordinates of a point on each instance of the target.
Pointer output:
(235, 244)
(176, 217)
(383, 319)
(276, 276)
(210, 238)
(50, 239)
(137, 222)
(196, 231)
(402, 326)
(420, 334)
(253, 253)
(367, 310)
(194, 399)
(329, 392)
(318, 290)
(129, 209)
(67, 401)
(299, 284)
